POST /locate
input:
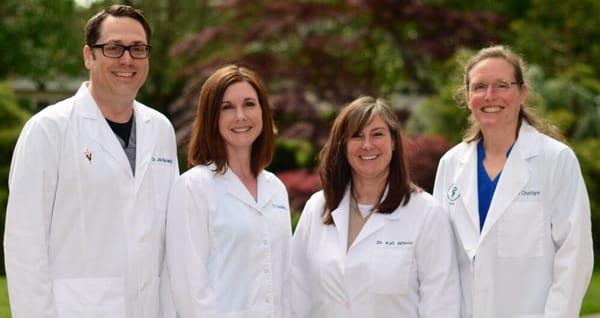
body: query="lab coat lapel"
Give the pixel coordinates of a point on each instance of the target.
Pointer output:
(264, 195)
(373, 224)
(341, 218)
(466, 182)
(466, 185)
(144, 145)
(94, 124)
(236, 188)
(513, 178)
(356, 287)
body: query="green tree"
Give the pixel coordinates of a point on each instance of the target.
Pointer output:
(563, 37)
(442, 114)
(38, 40)
(312, 53)
(575, 109)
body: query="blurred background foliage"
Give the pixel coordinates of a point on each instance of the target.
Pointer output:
(316, 56)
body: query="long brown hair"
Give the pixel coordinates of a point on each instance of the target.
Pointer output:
(336, 172)
(473, 132)
(206, 144)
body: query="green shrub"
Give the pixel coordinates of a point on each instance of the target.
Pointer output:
(292, 153)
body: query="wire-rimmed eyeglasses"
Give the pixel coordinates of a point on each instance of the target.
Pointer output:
(498, 86)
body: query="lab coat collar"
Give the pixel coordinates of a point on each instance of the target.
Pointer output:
(515, 175)
(89, 108)
(341, 218)
(98, 129)
(374, 224)
(236, 188)
(102, 134)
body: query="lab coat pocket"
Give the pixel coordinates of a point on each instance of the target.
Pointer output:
(390, 271)
(90, 297)
(520, 230)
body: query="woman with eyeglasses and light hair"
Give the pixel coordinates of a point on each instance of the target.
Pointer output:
(371, 244)
(228, 223)
(517, 201)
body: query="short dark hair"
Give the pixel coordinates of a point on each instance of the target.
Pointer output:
(336, 173)
(206, 144)
(92, 27)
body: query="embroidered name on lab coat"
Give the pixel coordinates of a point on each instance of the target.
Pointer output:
(279, 206)
(529, 195)
(159, 160)
(393, 243)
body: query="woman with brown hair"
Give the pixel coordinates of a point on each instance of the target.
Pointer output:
(228, 223)
(516, 199)
(371, 244)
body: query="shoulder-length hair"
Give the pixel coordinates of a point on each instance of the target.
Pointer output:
(206, 143)
(336, 173)
(473, 132)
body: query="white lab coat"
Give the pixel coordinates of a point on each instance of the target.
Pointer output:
(84, 238)
(400, 265)
(533, 257)
(228, 255)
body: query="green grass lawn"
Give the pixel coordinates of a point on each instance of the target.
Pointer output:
(591, 303)
(4, 308)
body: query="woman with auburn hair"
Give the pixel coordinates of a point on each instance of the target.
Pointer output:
(228, 223)
(517, 201)
(371, 244)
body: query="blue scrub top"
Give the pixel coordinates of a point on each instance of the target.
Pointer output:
(485, 186)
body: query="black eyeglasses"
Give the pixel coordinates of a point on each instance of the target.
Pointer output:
(115, 51)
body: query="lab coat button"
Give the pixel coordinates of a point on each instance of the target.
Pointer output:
(266, 270)
(265, 242)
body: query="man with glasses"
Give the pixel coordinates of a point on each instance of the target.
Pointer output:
(88, 184)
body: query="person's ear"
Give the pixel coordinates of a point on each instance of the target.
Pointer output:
(523, 92)
(88, 56)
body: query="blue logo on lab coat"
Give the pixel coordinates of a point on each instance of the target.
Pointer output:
(453, 194)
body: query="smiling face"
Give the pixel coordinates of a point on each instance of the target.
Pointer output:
(240, 118)
(495, 107)
(117, 78)
(369, 151)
